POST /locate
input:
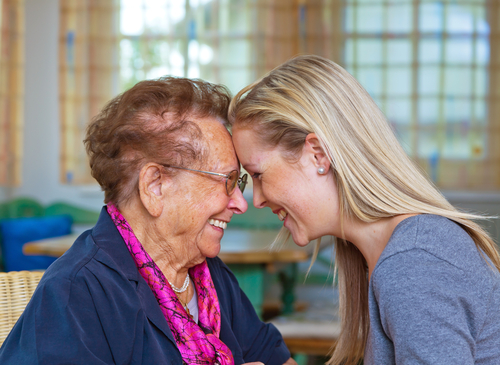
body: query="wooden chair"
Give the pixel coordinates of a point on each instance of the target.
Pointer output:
(16, 289)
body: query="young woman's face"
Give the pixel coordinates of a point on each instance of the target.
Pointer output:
(304, 200)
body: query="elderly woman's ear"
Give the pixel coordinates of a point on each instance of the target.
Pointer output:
(152, 185)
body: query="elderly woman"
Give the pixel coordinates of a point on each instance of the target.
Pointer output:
(144, 286)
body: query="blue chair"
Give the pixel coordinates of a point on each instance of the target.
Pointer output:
(16, 232)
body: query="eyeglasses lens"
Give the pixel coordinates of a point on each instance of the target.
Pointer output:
(242, 182)
(234, 180)
(231, 182)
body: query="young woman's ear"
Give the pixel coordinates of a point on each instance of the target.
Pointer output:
(318, 155)
(152, 188)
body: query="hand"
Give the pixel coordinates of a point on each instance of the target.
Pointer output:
(290, 361)
(253, 363)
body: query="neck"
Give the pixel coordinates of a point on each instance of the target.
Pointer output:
(168, 251)
(371, 238)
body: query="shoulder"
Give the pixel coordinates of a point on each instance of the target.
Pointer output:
(433, 237)
(430, 253)
(84, 271)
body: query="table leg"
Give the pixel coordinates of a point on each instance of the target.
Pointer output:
(288, 278)
(251, 280)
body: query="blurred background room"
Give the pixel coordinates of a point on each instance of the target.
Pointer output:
(433, 67)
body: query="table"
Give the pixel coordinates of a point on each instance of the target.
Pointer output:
(246, 252)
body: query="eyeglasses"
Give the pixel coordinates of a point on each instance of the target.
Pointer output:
(232, 179)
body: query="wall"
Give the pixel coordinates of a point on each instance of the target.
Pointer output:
(40, 173)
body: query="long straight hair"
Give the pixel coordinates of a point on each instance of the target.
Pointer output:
(375, 177)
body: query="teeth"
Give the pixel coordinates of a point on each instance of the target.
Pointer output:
(282, 215)
(217, 223)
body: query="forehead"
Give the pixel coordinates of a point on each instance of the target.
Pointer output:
(249, 147)
(218, 141)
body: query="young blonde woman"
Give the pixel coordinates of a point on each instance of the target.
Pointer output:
(419, 280)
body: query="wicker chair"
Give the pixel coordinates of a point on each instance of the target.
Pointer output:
(16, 289)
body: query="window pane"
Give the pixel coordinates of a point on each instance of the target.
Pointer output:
(428, 80)
(458, 51)
(399, 18)
(482, 26)
(481, 82)
(480, 112)
(456, 144)
(428, 110)
(369, 51)
(369, 18)
(457, 110)
(399, 51)
(349, 19)
(238, 18)
(399, 81)
(158, 16)
(371, 79)
(458, 81)
(349, 51)
(398, 111)
(234, 79)
(130, 22)
(460, 19)
(404, 136)
(482, 51)
(428, 143)
(431, 17)
(236, 52)
(429, 51)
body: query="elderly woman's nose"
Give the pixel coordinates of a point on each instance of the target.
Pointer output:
(237, 203)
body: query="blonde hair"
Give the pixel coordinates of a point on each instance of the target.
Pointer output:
(375, 177)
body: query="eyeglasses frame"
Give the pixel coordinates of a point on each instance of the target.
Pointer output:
(241, 179)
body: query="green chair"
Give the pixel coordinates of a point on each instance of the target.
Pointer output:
(79, 215)
(22, 207)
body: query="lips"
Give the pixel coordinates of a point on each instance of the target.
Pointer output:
(217, 223)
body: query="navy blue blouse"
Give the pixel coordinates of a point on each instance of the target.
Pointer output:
(93, 307)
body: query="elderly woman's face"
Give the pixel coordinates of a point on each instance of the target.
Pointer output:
(201, 207)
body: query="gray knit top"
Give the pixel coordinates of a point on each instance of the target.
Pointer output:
(433, 299)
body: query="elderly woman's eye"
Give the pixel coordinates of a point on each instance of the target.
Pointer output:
(256, 175)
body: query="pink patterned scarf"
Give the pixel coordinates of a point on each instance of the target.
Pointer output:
(197, 343)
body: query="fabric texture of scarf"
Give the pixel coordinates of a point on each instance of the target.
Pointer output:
(197, 343)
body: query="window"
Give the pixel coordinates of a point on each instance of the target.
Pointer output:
(431, 66)
(427, 65)
(196, 38)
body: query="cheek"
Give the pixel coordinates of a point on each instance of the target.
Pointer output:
(209, 200)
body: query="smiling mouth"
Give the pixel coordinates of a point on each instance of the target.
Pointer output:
(282, 214)
(217, 223)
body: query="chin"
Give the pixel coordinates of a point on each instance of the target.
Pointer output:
(212, 251)
(300, 241)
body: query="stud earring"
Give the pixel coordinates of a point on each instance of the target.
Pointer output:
(321, 170)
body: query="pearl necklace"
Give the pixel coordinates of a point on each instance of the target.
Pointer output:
(184, 286)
